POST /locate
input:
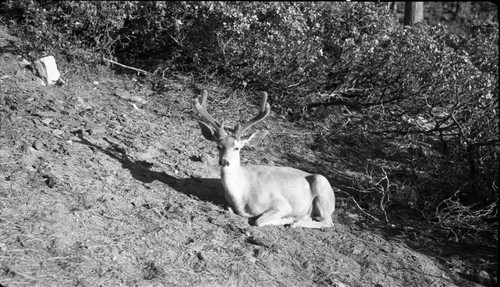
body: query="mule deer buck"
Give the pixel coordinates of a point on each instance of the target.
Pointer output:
(271, 195)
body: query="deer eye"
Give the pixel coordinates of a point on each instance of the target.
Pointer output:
(219, 147)
(236, 148)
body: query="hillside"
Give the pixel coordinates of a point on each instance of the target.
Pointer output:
(105, 182)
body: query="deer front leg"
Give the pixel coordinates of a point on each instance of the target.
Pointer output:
(276, 216)
(273, 219)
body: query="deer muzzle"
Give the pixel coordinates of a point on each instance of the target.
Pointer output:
(223, 163)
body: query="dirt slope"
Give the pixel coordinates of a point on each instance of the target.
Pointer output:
(105, 183)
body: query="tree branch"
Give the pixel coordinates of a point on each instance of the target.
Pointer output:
(127, 67)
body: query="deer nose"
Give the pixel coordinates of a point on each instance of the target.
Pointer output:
(223, 163)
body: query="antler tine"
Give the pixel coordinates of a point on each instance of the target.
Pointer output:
(204, 99)
(263, 101)
(201, 108)
(264, 111)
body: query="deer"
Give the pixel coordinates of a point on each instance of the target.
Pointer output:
(268, 195)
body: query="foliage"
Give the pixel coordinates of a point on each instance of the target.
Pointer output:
(426, 86)
(416, 81)
(285, 47)
(76, 30)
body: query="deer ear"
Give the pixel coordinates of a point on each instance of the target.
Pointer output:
(208, 132)
(255, 138)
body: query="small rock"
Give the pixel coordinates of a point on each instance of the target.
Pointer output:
(47, 121)
(195, 175)
(50, 181)
(47, 70)
(358, 249)
(138, 99)
(23, 63)
(57, 132)
(38, 145)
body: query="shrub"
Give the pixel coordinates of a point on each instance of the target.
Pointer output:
(74, 29)
(424, 84)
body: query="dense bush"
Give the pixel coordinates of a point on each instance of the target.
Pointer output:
(286, 47)
(421, 84)
(417, 81)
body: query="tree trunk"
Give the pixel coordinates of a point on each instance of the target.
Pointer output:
(414, 13)
(392, 6)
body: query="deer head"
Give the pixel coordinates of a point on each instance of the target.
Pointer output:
(231, 140)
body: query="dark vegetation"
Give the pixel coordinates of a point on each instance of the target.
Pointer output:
(351, 72)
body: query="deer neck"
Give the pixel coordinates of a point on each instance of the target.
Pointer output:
(234, 181)
(233, 178)
(234, 171)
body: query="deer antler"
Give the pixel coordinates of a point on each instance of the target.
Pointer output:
(201, 108)
(264, 111)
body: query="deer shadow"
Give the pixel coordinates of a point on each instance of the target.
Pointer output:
(205, 189)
